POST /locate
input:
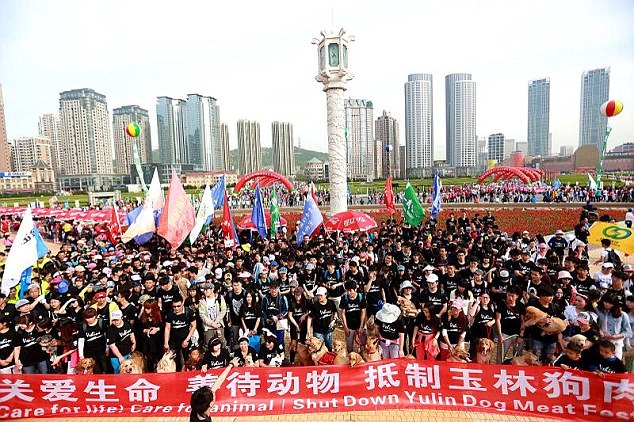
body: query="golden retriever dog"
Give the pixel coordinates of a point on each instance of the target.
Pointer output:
(579, 339)
(459, 355)
(549, 324)
(339, 347)
(486, 351)
(129, 366)
(302, 356)
(85, 366)
(526, 359)
(139, 359)
(354, 359)
(408, 309)
(319, 352)
(248, 362)
(167, 364)
(372, 350)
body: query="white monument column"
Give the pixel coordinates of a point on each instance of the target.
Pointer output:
(332, 50)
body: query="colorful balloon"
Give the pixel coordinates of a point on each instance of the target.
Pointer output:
(133, 130)
(611, 108)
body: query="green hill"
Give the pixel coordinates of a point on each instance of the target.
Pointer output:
(301, 157)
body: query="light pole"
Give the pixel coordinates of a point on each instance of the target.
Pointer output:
(332, 54)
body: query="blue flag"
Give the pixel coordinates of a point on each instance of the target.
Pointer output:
(257, 215)
(218, 193)
(437, 196)
(132, 215)
(311, 219)
(556, 183)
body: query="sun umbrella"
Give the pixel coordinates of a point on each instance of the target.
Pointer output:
(246, 223)
(350, 221)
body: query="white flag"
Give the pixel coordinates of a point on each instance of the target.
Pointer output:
(27, 248)
(205, 210)
(593, 184)
(145, 221)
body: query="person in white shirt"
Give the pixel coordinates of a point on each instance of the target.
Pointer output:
(629, 217)
(603, 277)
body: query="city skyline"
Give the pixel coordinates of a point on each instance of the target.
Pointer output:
(502, 54)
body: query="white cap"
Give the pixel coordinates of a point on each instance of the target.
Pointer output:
(218, 273)
(428, 268)
(116, 315)
(433, 278)
(321, 291)
(608, 265)
(559, 232)
(563, 274)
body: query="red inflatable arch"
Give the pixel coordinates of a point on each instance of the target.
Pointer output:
(525, 174)
(263, 178)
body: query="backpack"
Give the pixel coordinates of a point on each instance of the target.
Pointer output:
(346, 297)
(615, 259)
(84, 326)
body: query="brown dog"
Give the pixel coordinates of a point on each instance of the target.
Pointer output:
(302, 357)
(85, 366)
(526, 359)
(167, 364)
(372, 351)
(485, 351)
(549, 324)
(340, 348)
(354, 359)
(319, 352)
(129, 366)
(139, 359)
(408, 309)
(459, 355)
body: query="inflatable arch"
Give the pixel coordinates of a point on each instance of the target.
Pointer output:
(525, 174)
(263, 178)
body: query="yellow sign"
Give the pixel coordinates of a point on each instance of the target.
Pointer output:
(622, 238)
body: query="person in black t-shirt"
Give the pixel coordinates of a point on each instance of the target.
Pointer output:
(353, 313)
(374, 291)
(608, 363)
(92, 341)
(166, 294)
(508, 322)
(216, 356)
(8, 343)
(245, 353)
(271, 353)
(391, 330)
(571, 358)
(121, 340)
(321, 320)
(180, 326)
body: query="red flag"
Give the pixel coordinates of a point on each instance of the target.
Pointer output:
(114, 227)
(228, 228)
(312, 192)
(389, 196)
(178, 217)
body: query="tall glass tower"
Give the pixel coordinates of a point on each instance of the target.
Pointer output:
(359, 139)
(419, 124)
(171, 124)
(538, 137)
(460, 108)
(203, 133)
(595, 90)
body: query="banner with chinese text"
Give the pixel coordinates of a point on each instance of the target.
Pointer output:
(399, 383)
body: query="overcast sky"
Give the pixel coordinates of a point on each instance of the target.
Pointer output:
(256, 58)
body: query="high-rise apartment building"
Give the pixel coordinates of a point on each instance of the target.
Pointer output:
(386, 132)
(460, 98)
(595, 90)
(27, 151)
(359, 131)
(496, 147)
(49, 126)
(171, 122)
(5, 151)
(225, 151)
(419, 125)
(203, 133)
(85, 128)
(539, 118)
(124, 144)
(509, 147)
(283, 148)
(249, 146)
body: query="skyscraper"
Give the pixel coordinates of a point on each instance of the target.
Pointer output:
(539, 118)
(386, 132)
(419, 125)
(85, 127)
(359, 130)
(203, 133)
(123, 143)
(26, 151)
(496, 147)
(595, 90)
(283, 148)
(170, 116)
(224, 142)
(5, 151)
(249, 147)
(460, 105)
(49, 127)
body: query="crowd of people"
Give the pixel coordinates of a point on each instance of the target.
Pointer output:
(428, 290)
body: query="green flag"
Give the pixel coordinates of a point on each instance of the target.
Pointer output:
(412, 209)
(275, 214)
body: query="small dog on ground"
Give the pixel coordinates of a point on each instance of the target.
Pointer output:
(167, 364)
(485, 351)
(85, 366)
(354, 359)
